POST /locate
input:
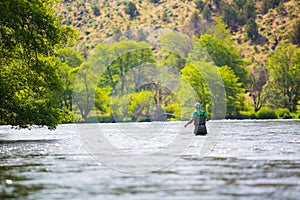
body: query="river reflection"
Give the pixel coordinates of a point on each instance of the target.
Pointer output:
(237, 160)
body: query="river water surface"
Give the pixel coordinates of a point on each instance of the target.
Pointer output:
(237, 160)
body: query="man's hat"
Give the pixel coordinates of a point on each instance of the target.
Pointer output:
(197, 105)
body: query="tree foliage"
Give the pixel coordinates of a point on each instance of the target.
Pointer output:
(224, 54)
(295, 34)
(30, 32)
(251, 29)
(195, 79)
(71, 60)
(284, 70)
(131, 10)
(259, 78)
(237, 12)
(106, 75)
(269, 4)
(229, 16)
(234, 92)
(200, 5)
(207, 13)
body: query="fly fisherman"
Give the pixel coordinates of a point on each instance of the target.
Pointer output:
(199, 118)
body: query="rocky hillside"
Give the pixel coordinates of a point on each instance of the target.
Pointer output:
(98, 19)
(273, 27)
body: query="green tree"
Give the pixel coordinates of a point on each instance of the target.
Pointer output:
(219, 30)
(239, 4)
(129, 55)
(207, 87)
(174, 60)
(257, 92)
(207, 13)
(230, 16)
(83, 97)
(96, 10)
(294, 35)
(250, 10)
(140, 105)
(234, 92)
(200, 5)
(268, 4)
(284, 81)
(109, 65)
(191, 73)
(298, 109)
(131, 10)
(69, 56)
(224, 54)
(71, 60)
(177, 43)
(251, 29)
(194, 26)
(30, 32)
(154, 1)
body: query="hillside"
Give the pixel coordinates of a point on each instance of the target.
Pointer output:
(273, 27)
(98, 20)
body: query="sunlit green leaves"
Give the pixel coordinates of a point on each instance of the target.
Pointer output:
(234, 91)
(224, 54)
(284, 70)
(30, 32)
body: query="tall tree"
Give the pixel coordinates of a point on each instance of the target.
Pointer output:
(131, 10)
(191, 73)
(30, 31)
(223, 53)
(257, 92)
(71, 60)
(251, 29)
(284, 81)
(107, 72)
(230, 16)
(268, 4)
(234, 91)
(250, 11)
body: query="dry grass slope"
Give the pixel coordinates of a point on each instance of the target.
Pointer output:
(98, 20)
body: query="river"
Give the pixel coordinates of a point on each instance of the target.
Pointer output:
(238, 159)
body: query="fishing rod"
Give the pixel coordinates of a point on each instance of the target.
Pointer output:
(180, 116)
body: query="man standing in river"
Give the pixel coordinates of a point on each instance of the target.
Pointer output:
(199, 118)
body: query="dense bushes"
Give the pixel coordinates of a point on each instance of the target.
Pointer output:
(266, 113)
(283, 113)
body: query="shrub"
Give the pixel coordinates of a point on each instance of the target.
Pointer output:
(96, 10)
(200, 5)
(173, 111)
(266, 113)
(104, 118)
(131, 9)
(251, 29)
(295, 115)
(248, 114)
(283, 113)
(154, 1)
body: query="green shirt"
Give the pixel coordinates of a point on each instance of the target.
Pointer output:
(199, 117)
(199, 112)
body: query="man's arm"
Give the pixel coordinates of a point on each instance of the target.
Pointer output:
(206, 116)
(190, 121)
